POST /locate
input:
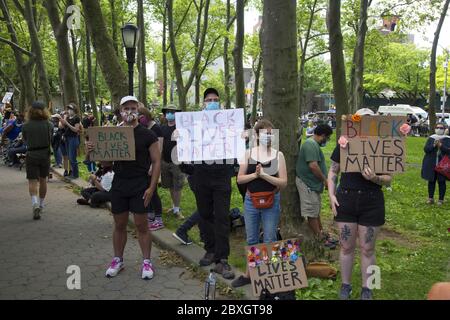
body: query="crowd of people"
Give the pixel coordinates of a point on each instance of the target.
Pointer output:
(357, 202)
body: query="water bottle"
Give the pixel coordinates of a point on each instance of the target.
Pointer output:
(210, 286)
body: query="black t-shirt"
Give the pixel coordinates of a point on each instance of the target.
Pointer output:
(157, 130)
(168, 144)
(143, 139)
(352, 180)
(72, 121)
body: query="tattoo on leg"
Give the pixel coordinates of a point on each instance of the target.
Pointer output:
(345, 233)
(370, 234)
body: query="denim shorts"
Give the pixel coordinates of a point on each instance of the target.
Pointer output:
(364, 207)
(269, 218)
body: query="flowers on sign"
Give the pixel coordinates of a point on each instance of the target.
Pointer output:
(356, 118)
(343, 142)
(280, 252)
(405, 129)
(344, 117)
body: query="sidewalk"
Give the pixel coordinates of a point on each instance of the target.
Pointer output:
(164, 239)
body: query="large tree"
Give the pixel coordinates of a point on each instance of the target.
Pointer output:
(112, 70)
(142, 61)
(280, 96)
(337, 62)
(66, 66)
(238, 55)
(432, 106)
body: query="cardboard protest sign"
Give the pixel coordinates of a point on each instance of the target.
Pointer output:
(210, 135)
(276, 266)
(112, 143)
(7, 97)
(373, 141)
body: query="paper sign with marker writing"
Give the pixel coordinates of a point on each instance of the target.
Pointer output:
(276, 266)
(210, 135)
(112, 143)
(7, 97)
(375, 142)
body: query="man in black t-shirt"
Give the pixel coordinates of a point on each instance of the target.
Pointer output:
(358, 208)
(171, 176)
(132, 189)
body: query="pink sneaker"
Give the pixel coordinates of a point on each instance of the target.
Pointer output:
(147, 270)
(155, 225)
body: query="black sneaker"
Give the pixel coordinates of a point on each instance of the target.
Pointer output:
(224, 269)
(241, 281)
(345, 292)
(83, 202)
(207, 259)
(65, 173)
(182, 237)
(366, 294)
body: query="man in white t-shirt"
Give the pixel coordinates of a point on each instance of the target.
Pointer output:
(99, 193)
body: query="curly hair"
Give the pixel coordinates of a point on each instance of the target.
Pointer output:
(37, 114)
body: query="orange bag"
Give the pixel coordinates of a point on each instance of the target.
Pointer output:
(321, 270)
(262, 200)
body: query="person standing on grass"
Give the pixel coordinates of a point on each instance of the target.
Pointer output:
(132, 189)
(436, 147)
(171, 176)
(311, 179)
(264, 171)
(155, 221)
(359, 210)
(72, 128)
(37, 133)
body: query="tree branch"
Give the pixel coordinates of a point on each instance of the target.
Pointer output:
(316, 55)
(19, 7)
(15, 46)
(180, 24)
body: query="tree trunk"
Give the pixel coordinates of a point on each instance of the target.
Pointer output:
(237, 55)
(197, 89)
(75, 65)
(92, 99)
(37, 50)
(358, 89)
(164, 56)
(255, 90)
(280, 96)
(143, 60)
(112, 71)
(337, 62)
(114, 26)
(432, 107)
(226, 62)
(60, 30)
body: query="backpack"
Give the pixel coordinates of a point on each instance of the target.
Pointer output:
(286, 295)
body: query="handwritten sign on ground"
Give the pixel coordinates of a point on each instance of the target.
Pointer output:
(276, 266)
(112, 143)
(375, 142)
(210, 135)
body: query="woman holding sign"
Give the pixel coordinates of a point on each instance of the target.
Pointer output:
(436, 147)
(264, 173)
(358, 208)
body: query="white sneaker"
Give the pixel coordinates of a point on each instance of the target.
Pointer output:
(147, 270)
(114, 268)
(36, 212)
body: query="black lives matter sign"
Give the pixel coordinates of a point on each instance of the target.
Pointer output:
(112, 143)
(375, 142)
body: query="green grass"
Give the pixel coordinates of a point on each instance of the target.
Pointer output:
(413, 254)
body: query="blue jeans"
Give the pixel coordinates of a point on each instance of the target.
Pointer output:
(72, 144)
(269, 217)
(58, 155)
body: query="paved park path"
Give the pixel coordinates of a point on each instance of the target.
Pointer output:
(34, 255)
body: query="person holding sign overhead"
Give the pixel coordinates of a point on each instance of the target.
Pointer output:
(72, 128)
(359, 210)
(132, 189)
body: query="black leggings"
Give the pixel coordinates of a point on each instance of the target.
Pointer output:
(155, 204)
(432, 188)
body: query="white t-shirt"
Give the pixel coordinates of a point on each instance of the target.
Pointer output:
(106, 180)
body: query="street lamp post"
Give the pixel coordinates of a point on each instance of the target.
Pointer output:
(130, 35)
(444, 97)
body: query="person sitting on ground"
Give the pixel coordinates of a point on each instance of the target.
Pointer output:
(19, 146)
(99, 193)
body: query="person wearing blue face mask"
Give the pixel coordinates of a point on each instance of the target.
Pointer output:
(171, 176)
(311, 179)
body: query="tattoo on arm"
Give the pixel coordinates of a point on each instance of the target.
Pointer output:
(370, 234)
(335, 167)
(345, 232)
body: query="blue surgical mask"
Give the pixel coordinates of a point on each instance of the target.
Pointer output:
(170, 116)
(213, 106)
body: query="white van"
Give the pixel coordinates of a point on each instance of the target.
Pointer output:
(397, 110)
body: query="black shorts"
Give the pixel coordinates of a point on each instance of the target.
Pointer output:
(37, 168)
(127, 195)
(364, 207)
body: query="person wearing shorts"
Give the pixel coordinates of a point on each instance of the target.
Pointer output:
(171, 176)
(311, 180)
(359, 210)
(132, 189)
(37, 133)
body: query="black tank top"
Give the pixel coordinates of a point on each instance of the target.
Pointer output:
(259, 184)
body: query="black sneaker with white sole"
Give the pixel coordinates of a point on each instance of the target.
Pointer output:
(182, 237)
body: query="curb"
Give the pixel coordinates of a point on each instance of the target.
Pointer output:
(164, 239)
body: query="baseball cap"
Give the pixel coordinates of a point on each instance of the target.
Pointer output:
(128, 98)
(38, 105)
(210, 90)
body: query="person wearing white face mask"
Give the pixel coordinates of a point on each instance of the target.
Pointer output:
(435, 148)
